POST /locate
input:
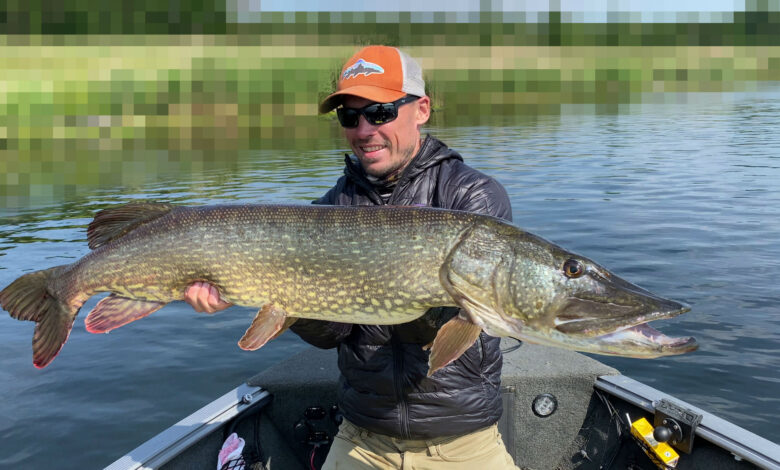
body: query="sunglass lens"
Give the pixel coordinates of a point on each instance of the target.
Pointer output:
(348, 117)
(376, 114)
(380, 113)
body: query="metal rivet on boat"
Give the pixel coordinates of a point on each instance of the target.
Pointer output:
(544, 405)
(246, 399)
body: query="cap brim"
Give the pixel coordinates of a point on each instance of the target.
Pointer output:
(380, 95)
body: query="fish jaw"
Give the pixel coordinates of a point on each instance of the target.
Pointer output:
(611, 317)
(637, 340)
(640, 341)
(557, 298)
(644, 342)
(601, 303)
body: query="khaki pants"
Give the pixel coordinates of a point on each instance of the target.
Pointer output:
(355, 448)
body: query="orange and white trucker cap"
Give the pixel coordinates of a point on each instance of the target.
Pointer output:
(377, 73)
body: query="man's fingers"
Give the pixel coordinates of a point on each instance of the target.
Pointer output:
(204, 297)
(215, 301)
(204, 294)
(197, 295)
(191, 296)
(213, 296)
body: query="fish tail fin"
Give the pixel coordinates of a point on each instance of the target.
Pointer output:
(30, 298)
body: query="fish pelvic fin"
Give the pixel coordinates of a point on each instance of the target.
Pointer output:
(113, 223)
(452, 340)
(114, 311)
(30, 298)
(270, 322)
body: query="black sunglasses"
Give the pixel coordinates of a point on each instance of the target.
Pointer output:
(376, 114)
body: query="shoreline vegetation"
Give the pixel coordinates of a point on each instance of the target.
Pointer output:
(205, 92)
(79, 116)
(92, 93)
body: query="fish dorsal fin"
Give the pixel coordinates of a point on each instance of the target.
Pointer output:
(113, 223)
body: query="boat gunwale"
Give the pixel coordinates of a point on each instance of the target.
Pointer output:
(175, 439)
(739, 441)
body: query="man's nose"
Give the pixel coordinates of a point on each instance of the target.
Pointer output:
(364, 127)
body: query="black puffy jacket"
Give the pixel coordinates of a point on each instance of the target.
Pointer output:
(383, 383)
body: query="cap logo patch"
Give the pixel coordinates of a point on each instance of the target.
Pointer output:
(361, 67)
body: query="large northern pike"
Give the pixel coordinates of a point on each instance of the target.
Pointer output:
(370, 265)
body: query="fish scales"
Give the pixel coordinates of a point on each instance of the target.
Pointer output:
(369, 265)
(311, 262)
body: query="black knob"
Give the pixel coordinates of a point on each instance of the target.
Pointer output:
(302, 429)
(336, 415)
(662, 434)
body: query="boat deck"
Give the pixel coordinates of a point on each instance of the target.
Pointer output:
(580, 434)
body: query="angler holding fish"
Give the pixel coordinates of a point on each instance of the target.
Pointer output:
(414, 298)
(381, 104)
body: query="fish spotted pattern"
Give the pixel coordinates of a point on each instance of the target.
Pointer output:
(369, 265)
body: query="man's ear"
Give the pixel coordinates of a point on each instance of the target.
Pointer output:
(423, 110)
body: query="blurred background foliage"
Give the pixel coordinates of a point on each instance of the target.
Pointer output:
(89, 88)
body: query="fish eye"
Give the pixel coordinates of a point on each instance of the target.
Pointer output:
(572, 269)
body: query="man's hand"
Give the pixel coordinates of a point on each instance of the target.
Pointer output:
(204, 297)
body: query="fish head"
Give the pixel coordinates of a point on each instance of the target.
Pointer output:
(555, 297)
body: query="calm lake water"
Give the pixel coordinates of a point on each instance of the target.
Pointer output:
(681, 197)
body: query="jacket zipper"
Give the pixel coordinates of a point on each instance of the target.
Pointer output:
(481, 345)
(398, 367)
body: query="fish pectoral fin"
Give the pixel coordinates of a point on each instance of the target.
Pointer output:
(452, 340)
(270, 322)
(115, 311)
(287, 322)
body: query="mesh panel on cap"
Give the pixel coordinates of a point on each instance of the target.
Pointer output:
(413, 81)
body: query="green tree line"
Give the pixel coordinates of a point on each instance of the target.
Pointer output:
(130, 17)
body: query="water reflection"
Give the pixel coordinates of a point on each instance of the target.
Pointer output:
(680, 199)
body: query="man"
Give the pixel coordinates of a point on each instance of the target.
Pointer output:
(396, 416)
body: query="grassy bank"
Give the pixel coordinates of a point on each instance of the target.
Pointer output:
(90, 105)
(209, 92)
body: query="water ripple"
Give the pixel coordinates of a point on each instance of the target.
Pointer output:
(683, 199)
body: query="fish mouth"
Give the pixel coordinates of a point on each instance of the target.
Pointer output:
(644, 337)
(611, 304)
(612, 319)
(582, 316)
(637, 339)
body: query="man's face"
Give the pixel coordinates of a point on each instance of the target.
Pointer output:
(386, 149)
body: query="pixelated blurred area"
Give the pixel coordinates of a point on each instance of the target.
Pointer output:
(90, 89)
